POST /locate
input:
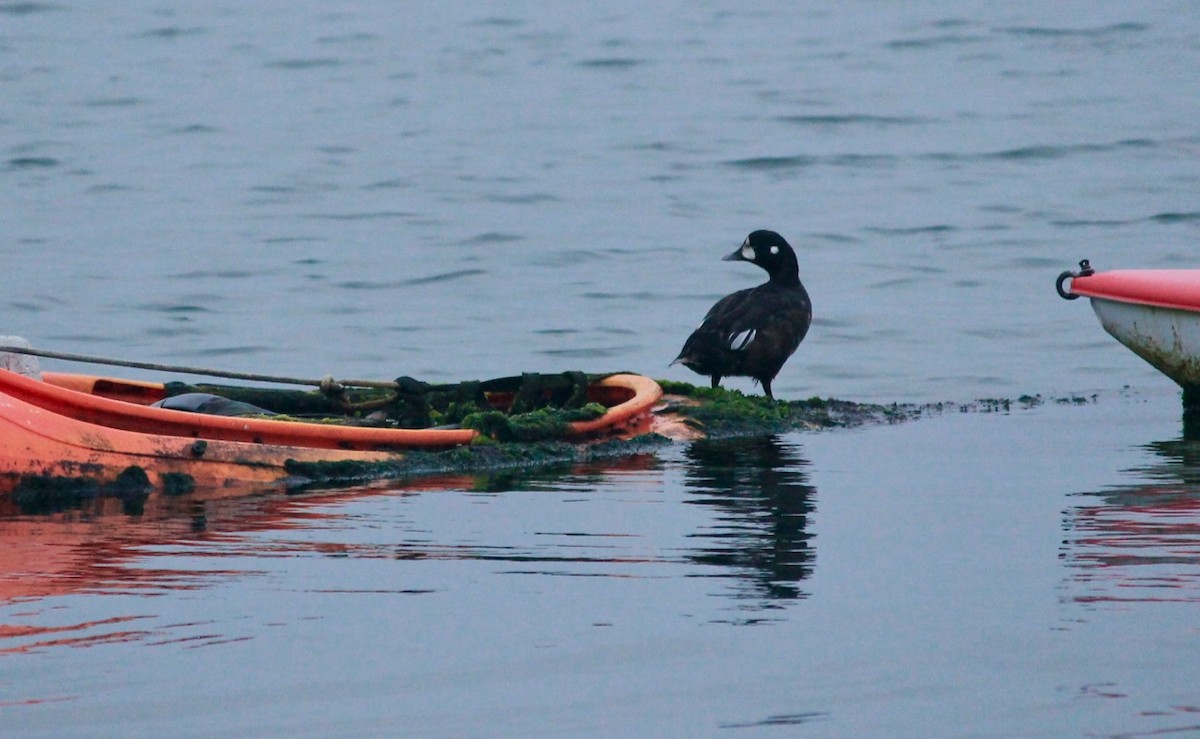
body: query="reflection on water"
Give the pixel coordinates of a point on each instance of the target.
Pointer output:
(1141, 542)
(87, 549)
(759, 492)
(592, 521)
(92, 547)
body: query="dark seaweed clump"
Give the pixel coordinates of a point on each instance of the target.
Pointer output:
(37, 494)
(40, 494)
(177, 483)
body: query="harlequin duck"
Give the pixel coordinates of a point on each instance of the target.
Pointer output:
(752, 332)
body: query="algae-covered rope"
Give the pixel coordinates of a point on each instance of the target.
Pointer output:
(327, 385)
(568, 389)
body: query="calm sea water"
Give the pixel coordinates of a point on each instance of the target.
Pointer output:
(466, 191)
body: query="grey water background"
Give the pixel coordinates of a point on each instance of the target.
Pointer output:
(466, 190)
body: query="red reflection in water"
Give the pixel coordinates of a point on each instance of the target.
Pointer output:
(1137, 544)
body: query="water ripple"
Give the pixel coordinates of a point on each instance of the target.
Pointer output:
(1040, 152)
(304, 64)
(933, 42)
(117, 102)
(365, 216)
(534, 198)
(492, 237)
(389, 285)
(1166, 219)
(1100, 31)
(27, 8)
(615, 63)
(215, 274)
(769, 164)
(1169, 218)
(592, 352)
(170, 32)
(194, 128)
(33, 162)
(785, 719)
(172, 308)
(1060, 151)
(834, 120)
(914, 230)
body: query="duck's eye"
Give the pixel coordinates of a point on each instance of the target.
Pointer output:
(774, 249)
(748, 252)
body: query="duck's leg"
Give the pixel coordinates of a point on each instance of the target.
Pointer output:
(767, 389)
(716, 381)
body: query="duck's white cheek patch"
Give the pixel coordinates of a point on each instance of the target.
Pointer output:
(740, 341)
(748, 253)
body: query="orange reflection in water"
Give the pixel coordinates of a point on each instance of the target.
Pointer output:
(102, 549)
(94, 549)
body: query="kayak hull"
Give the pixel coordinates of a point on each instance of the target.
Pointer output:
(1167, 338)
(1153, 312)
(81, 426)
(35, 442)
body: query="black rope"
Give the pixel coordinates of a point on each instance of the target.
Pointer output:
(327, 384)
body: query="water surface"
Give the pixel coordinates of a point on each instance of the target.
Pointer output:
(905, 580)
(457, 192)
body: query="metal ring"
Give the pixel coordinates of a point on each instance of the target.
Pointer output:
(1058, 285)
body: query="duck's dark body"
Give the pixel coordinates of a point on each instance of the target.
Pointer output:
(752, 332)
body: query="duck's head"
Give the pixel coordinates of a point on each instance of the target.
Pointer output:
(770, 251)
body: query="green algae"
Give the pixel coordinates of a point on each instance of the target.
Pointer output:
(541, 424)
(721, 412)
(534, 439)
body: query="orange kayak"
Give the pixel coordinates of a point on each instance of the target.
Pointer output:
(84, 426)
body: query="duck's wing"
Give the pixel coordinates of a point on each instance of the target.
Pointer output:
(728, 311)
(706, 350)
(752, 314)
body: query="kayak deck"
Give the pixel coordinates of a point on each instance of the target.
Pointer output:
(1178, 289)
(125, 405)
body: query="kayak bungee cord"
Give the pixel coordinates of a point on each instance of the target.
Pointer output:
(327, 385)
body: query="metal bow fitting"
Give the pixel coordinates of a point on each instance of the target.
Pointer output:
(1085, 270)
